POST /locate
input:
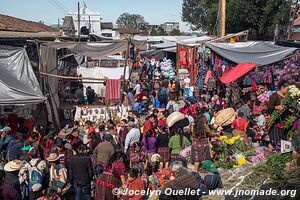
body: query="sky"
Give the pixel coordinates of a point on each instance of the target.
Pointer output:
(154, 11)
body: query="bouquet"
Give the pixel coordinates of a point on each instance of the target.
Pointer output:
(292, 98)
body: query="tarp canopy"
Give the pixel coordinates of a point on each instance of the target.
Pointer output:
(261, 53)
(97, 50)
(236, 72)
(18, 84)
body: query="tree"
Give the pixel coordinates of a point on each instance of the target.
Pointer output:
(161, 31)
(175, 32)
(259, 17)
(134, 21)
(200, 14)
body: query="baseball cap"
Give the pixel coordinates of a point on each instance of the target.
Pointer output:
(5, 129)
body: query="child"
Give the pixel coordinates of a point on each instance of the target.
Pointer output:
(135, 183)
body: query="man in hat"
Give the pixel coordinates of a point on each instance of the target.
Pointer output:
(5, 139)
(145, 105)
(58, 173)
(212, 178)
(137, 109)
(15, 146)
(12, 169)
(182, 180)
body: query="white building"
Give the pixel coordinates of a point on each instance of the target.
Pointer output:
(91, 20)
(170, 26)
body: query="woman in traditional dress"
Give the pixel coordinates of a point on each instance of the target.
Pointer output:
(200, 144)
(138, 158)
(275, 103)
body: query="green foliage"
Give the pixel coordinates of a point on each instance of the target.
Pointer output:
(200, 14)
(134, 21)
(175, 32)
(257, 16)
(275, 165)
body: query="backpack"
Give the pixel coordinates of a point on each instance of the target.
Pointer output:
(171, 109)
(36, 177)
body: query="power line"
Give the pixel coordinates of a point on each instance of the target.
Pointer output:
(58, 8)
(60, 5)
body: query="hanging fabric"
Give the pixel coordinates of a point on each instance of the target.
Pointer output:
(183, 57)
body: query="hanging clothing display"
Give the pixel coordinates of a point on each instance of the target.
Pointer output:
(183, 57)
(113, 90)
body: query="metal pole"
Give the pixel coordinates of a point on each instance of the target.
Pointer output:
(78, 18)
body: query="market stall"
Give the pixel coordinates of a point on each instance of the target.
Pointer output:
(20, 91)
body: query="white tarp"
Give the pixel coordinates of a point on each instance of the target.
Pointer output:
(18, 84)
(101, 72)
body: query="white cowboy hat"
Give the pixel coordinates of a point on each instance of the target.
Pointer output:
(174, 117)
(14, 165)
(53, 157)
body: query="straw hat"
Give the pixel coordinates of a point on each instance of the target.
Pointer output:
(53, 157)
(14, 165)
(144, 98)
(174, 117)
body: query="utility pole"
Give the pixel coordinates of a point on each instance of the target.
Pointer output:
(78, 18)
(89, 23)
(222, 18)
(58, 24)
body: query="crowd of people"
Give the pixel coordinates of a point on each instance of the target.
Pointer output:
(90, 160)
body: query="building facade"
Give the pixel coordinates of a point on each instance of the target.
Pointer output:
(89, 19)
(170, 26)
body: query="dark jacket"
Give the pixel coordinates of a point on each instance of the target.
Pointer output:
(14, 149)
(81, 170)
(8, 192)
(13, 180)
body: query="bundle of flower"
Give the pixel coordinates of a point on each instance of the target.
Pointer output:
(291, 101)
(232, 151)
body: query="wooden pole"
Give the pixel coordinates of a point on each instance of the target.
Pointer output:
(222, 18)
(78, 18)
(126, 56)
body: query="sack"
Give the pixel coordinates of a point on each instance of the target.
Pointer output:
(36, 178)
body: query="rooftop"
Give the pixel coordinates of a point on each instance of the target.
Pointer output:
(106, 25)
(8, 23)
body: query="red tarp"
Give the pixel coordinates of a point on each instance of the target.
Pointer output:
(236, 72)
